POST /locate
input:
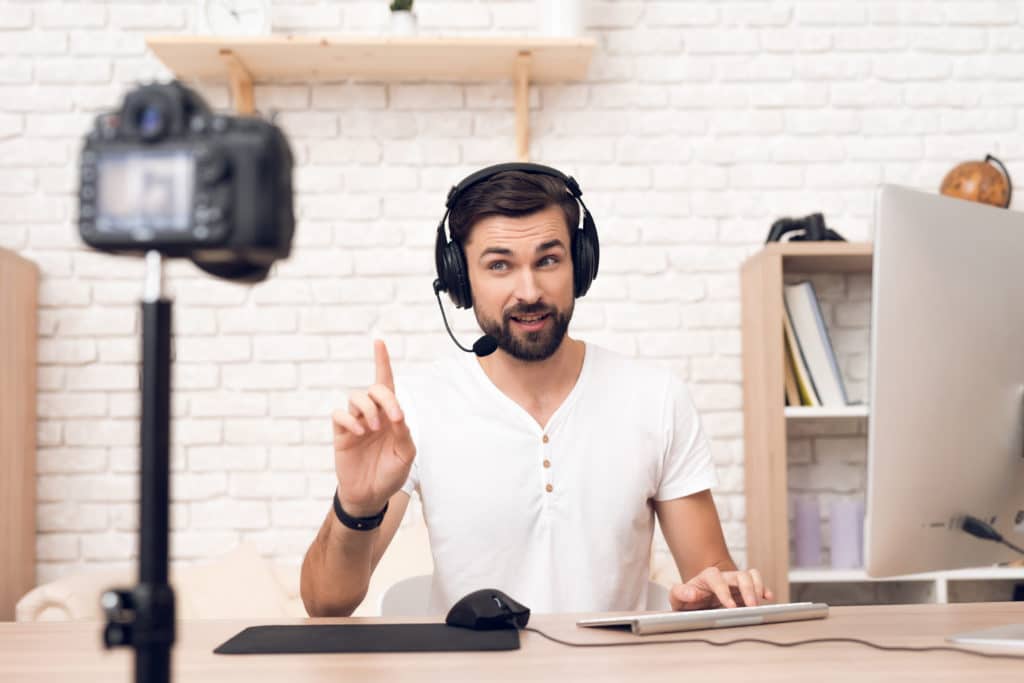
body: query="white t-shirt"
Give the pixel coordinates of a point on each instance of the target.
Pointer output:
(560, 517)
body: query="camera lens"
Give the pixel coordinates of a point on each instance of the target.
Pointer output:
(151, 122)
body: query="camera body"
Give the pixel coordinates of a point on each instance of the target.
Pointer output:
(165, 173)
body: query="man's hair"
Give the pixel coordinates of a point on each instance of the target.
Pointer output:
(514, 194)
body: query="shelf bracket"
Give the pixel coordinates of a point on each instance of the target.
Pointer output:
(240, 80)
(522, 91)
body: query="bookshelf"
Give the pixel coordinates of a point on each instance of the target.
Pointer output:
(941, 586)
(765, 415)
(768, 421)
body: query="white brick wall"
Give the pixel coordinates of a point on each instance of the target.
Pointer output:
(699, 124)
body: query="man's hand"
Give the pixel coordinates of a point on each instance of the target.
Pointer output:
(373, 449)
(715, 588)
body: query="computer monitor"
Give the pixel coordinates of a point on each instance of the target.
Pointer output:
(946, 434)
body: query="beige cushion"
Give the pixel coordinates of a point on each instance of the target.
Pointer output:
(240, 584)
(71, 598)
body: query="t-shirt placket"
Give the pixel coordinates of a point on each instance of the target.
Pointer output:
(546, 459)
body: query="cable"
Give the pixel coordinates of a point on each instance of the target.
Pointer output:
(971, 525)
(796, 643)
(982, 529)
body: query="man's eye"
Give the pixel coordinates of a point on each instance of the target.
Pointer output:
(497, 265)
(548, 259)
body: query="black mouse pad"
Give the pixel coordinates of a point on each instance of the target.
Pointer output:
(320, 638)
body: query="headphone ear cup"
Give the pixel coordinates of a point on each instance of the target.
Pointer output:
(586, 254)
(457, 276)
(451, 270)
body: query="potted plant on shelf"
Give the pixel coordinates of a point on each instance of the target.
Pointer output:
(403, 19)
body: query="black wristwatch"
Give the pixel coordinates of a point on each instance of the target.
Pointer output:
(358, 523)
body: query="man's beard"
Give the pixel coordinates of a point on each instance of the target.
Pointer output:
(529, 346)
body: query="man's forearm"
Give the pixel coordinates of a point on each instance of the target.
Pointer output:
(336, 570)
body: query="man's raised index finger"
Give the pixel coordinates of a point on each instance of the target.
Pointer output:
(383, 362)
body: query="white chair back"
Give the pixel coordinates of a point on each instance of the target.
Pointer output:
(410, 597)
(407, 598)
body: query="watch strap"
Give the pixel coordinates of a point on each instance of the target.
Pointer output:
(358, 523)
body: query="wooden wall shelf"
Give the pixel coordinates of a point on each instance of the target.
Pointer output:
(243, 61)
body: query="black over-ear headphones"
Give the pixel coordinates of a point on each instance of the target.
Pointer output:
(452, 272)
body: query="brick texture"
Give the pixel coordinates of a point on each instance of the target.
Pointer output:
(698, 125)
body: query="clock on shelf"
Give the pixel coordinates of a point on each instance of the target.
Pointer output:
(235, 17)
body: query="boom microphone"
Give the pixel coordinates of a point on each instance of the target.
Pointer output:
(484, 346)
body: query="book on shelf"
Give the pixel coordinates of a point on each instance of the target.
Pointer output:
(807, 395)
(814, 360)
(789, 376)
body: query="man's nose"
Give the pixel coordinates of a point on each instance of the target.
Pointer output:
(526, 286)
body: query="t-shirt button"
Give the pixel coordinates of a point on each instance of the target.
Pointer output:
(549, 488)
(545, 439)
(547, 463)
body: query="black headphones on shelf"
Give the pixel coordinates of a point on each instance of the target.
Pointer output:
(450, 260)
(807, 229)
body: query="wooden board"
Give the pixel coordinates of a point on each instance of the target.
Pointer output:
(800, 257)
(19, 285)
(303, 58)
(764, 428)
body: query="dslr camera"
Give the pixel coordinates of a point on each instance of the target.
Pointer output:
(165, 173)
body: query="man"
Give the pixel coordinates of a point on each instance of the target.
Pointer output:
(541, 466)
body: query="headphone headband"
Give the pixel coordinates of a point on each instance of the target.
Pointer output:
(521, 166)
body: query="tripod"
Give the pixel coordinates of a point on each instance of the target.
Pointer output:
(143, 617)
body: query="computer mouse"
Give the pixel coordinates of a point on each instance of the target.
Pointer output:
(487, 610)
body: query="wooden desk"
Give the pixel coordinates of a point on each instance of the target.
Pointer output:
(38, 652)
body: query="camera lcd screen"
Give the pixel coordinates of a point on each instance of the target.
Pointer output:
(145, 191)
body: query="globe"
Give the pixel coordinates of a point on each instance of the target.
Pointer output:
(978, 181)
